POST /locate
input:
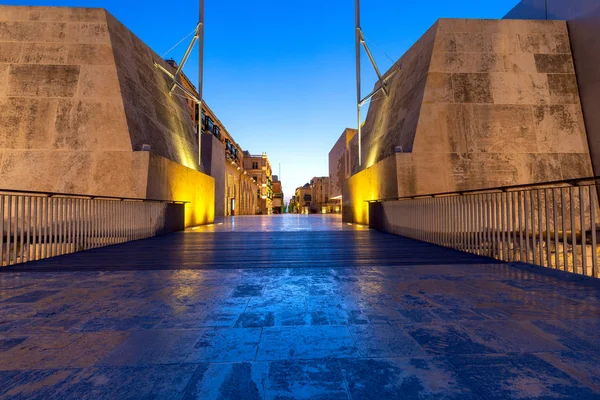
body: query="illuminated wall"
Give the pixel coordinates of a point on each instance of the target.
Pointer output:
(583, 21)
(79, 96)
(154, 117)
(477, 104)
(170, 180)
(376, 182)
(338, 163)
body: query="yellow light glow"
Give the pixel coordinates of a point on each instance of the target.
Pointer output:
(187, 184)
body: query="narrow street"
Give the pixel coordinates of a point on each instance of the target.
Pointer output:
(294, 306)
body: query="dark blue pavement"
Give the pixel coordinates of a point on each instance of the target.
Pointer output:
(288, 307)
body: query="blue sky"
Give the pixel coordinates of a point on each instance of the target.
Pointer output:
(279, 74)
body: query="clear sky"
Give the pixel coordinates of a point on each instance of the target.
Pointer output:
(280, 74)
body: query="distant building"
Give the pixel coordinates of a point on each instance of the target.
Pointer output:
(259, 168)
(303, 199)
(278, 202)
(235, 190)
(320, 195)
(293, 205)
(312, 198)
(339, 168)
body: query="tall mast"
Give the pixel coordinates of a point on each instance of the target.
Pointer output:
(358, 95)
(200, 34)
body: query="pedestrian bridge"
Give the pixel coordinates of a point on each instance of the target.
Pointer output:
(294, 306)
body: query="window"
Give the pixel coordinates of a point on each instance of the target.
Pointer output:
(217, 132)
(209, 124)
(255, 165)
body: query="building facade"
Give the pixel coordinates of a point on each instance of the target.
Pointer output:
(239, 187)
(278, 201)
(312, 198)
(303, 199)
(259, 168)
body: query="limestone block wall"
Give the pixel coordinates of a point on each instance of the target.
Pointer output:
(61, 119)
(170, 180)
(496, 104)
(501, 107)
(79, 95)
(338, 156)
(153, 115)
(392, 121)
(583, 21)
(376, 182)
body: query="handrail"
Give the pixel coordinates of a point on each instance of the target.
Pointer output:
(92, 197)
(571, 182)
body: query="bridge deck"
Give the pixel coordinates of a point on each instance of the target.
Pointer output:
(294, 307)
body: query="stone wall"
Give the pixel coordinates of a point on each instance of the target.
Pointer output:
(489, 103)
(583, 21)
(154, 116)
(69, 122)
(170, 180)
(337, 163)
(376, 182)
(501, 107)
(392, 121)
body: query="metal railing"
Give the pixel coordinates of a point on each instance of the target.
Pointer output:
(553, 225)
(35, 225)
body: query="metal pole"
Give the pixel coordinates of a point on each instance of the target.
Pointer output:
(358, 96)
(200, 77)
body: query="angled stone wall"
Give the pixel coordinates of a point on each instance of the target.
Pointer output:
(154, 116)
(501, 107)
(488, 103)
(392, 121)
(583, 21)
(338, 157)
(79, 95)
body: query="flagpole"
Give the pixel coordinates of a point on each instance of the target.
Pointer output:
(358, 95)
(200, 76)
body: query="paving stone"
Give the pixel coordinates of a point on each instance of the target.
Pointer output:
(436, 324)
(305, 379)
(404, 378)
(518, 376)
(247, 291)
(384, 341)
(447, 339)
(228, 381)
(511, 336)
(225, 344)
(585, 367)
(304, 342)
(148, 382)
(255, 320)
(34, 384)
(153, 347)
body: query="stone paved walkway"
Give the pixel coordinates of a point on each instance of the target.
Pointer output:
(94, 326)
